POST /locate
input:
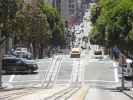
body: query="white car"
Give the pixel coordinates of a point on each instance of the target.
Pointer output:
(21, 49)
(22, 53)
(98, 54)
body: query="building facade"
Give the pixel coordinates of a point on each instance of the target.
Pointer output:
(70, 10)
(54, 3)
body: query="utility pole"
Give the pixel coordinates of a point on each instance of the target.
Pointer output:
(132, 72)
(0, 70)
(122, 80)
(123, 63)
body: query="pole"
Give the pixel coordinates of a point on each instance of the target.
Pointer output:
(132, 73)
(0, 77)
(122, 64)
(0, 71)
(122, 80)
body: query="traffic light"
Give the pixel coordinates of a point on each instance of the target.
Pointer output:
(66, 23)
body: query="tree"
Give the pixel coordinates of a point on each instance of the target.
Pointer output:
(114, 22)
(56, 25)
(8, 9)
(32, 28)
(58, 38)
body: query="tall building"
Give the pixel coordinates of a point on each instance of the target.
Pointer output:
(48, 2)
(54, 3)
(70, 10)
(57, 4)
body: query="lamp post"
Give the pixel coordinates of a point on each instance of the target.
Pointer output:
(0, 73)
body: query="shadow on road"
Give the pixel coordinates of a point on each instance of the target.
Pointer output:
(125, 92)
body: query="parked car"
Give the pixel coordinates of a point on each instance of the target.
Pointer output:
(14, 64)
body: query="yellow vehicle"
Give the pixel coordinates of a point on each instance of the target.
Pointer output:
(75, 53)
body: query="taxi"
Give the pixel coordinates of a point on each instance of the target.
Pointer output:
(75, 53)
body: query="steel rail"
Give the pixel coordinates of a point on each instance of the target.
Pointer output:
(52, 73)
(43, 81)
(57, 93)
(58, 69)
(18, 94)
(65, 94)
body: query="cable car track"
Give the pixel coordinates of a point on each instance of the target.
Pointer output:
(18, 94)
(64, 94)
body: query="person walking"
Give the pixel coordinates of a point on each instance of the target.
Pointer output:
(116, 53)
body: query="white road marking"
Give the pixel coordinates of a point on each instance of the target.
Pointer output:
(11, 78)
(74, 74)
(102, 81)
(116, 72)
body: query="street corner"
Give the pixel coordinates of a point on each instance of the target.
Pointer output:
(81, 93)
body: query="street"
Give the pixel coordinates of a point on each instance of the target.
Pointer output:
(63, 71)
(61, 77)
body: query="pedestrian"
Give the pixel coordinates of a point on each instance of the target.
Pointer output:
(116, 53)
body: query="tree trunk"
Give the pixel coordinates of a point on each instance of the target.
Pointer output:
(34, 50)
(41, 51)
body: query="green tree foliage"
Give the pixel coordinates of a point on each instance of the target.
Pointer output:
(56, 24)
(37, 25)
(32, 28)
(112, 20)
(40, 26)
(8, 10)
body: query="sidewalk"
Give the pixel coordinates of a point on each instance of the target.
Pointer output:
(129, 94)
(128, 84)
(100, 94)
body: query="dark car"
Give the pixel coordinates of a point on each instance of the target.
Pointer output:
(13, 64)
